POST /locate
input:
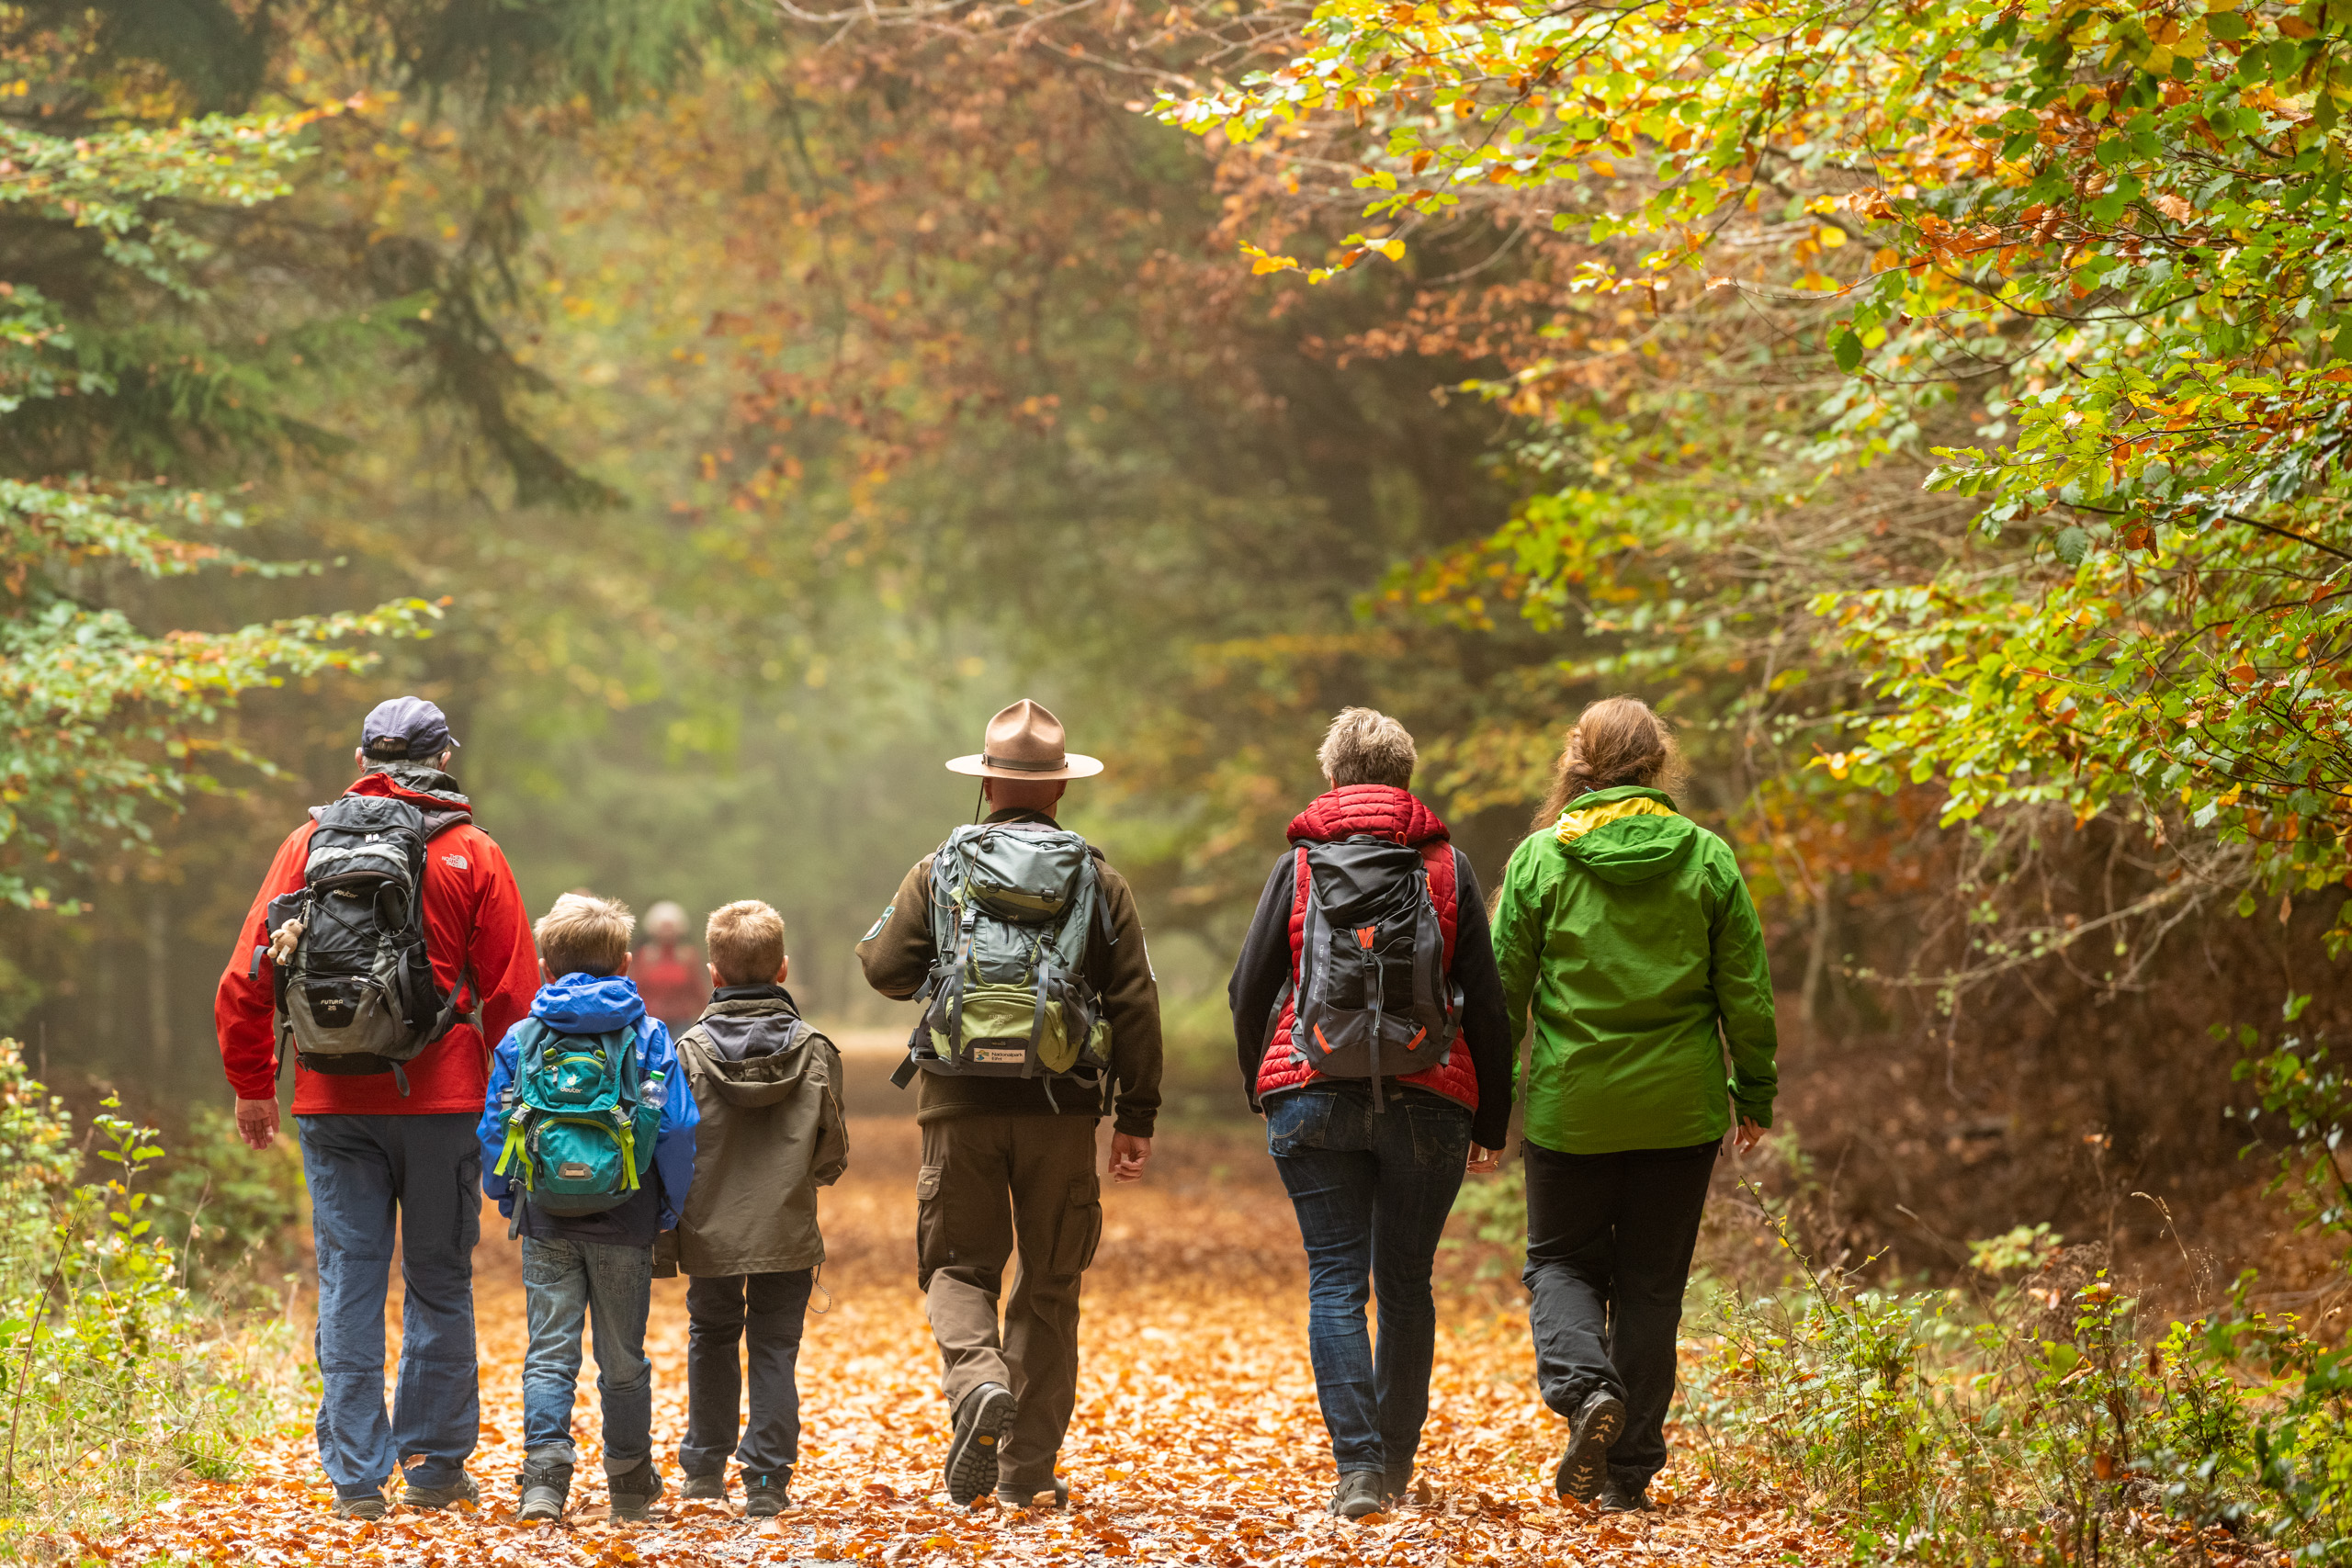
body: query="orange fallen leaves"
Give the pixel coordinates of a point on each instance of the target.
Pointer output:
(1196, 1438)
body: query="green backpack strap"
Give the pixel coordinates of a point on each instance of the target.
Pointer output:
(530, 1046)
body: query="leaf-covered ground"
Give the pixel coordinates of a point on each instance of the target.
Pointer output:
(1196, 1438)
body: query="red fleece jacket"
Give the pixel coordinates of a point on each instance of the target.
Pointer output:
(473, 918)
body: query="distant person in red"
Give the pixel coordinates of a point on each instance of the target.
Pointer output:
(668, 971)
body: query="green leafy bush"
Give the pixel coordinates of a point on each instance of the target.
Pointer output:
(115, 1378)
(2025, 1420)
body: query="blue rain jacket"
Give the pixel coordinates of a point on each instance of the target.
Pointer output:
(593, 1004)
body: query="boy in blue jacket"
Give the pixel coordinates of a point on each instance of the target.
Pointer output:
(546, 1166)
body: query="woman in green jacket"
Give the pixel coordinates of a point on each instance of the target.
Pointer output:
(1627, 928)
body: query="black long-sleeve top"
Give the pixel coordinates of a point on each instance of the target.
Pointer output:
(1265, 964)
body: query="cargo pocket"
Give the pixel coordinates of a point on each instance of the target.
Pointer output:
(931, 1243)
(1081, 1226)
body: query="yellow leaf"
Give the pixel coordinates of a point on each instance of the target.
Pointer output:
(1393, 249)
(1830, 236)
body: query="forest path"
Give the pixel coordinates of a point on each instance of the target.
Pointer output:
(1196, 1438)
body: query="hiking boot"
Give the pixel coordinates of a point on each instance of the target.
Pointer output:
(1357, 1495)
(711, 1488)
(767, 1494)
(544, 1482)
(636, 1491)
(461, 1490)
(1616, 1497)
(981, 1422)
(1585, 1464)
(367, 1505)
(1026, 1497)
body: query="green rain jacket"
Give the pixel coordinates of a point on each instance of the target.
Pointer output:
(1627, 927)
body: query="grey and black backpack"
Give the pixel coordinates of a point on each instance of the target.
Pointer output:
(358, 995)
(1374, 999)
(1012, 905)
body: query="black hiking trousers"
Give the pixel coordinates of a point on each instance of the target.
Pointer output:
(1609, 1245)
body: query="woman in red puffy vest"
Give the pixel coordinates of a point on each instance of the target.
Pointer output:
(1373, 1165)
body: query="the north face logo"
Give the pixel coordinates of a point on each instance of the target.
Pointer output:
(455, 862)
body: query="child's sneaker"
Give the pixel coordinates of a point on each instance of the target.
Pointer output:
(637, 1491)
(711, 1488)
(544, 1482)
(766, 1494)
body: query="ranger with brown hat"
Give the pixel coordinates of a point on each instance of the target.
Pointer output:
(1040, 1013)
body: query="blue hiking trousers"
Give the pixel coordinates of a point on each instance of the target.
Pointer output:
(367, 1173)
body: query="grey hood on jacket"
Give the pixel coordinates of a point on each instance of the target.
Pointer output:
(769, 1090)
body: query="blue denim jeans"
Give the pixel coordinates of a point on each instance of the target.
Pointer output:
(568, 1285)
(374, 1179)
(1372, 1189)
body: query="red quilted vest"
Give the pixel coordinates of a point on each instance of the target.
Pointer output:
(1387, 812)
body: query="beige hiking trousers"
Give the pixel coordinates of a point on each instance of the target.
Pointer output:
(991, 1188)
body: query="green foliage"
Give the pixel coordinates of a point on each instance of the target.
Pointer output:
(2309, 1099)
(114, 1378)
(231, 1215)
(2074, 271)
(101, 718)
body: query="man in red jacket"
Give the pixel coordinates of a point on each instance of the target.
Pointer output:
(371, 1150)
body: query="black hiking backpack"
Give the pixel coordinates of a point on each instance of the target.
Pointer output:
(357, 994)
(1374, 999)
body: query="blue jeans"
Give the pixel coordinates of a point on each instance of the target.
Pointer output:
(565, 1284)
(363, 1173)
(1372, 1189)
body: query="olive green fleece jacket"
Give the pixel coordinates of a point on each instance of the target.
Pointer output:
(1627, 928)
(897, 956)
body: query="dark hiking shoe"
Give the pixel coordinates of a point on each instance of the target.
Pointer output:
(981, 1422)
(544, 1484)
(711, 1488)
(1585, 1465)
(1616, 1497)
(1397, 1486)
(636, 1491)
(367, 1505)
(1358, 1494)
(1026, 1497)
(461, 1490)
(766, 1494)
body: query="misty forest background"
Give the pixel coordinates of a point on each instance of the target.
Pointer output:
(759, 402)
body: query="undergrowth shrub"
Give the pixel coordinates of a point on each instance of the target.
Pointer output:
(115, 1377)
(2027, 1421)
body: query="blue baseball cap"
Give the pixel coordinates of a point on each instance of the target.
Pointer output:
(405, 729)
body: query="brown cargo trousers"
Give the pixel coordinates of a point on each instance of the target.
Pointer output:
(965, 1231)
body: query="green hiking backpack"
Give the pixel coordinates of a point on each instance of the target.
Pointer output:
(1011, 906)
(580, 1125)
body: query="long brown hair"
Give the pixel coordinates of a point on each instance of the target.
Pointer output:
(1617, 740)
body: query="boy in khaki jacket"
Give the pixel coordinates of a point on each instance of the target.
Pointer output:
(769, 1090)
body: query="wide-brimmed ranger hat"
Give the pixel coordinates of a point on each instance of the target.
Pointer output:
(1024, 742)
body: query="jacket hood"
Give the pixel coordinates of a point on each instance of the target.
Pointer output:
(752, 1049)
(430, 790)
(1626, 835)
(588, 1004)
(1383, 811)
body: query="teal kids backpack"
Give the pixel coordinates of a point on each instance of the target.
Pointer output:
(580, 1124)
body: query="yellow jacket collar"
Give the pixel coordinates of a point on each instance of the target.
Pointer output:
(1575, 825)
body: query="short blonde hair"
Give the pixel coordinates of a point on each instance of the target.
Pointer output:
(1365, 746)
(745, 940)
(584, 935)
